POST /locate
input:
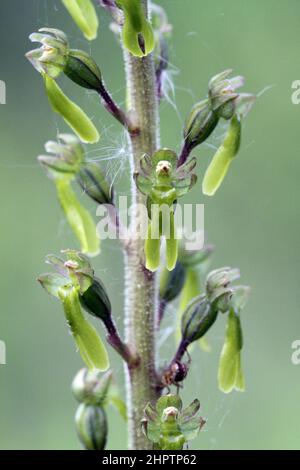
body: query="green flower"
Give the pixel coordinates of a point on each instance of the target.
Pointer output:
(222, 101)
(169, 426)
(161, 180)
(72, 279)
(51, 58)
(55, 57)
(222, 93)
(163, 183)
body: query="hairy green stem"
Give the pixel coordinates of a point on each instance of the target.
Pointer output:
(141, 289)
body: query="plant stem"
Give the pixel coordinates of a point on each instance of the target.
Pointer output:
(140, 289)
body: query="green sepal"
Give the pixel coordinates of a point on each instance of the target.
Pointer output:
(230, 374)
(52, 283)
(79, 268)
(76, 271)
(84, 15)
(136, 26)
(190, 411)
(73, 115)
(78, 218)
(90, 345)
(222, 159)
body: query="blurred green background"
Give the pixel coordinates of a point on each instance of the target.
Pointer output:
(253, 221)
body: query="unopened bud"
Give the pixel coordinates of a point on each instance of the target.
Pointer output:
(94, 184)
(91, 386)
(171, 283)
(83, 70)
(197, 319)
(96, 301)
(91, 426)
(200, 124)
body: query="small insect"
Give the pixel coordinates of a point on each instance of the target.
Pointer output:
(175, 374)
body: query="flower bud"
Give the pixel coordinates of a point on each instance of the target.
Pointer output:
(199, 316)
(51, 58)
(91, 387)
(163, 183)
(84, 15)
(94, 184)
(91, 426)
(96, 301)
(137, 32)
(200, 124)
(83, 70)
(171, 283)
